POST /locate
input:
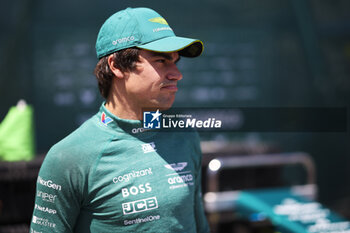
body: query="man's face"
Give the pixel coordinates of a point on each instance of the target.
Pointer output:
(153, 83)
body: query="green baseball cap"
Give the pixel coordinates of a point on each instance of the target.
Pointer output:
(143, 28)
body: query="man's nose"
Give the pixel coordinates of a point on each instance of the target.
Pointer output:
(174, 73)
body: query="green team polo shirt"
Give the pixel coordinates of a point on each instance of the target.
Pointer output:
(110, 175)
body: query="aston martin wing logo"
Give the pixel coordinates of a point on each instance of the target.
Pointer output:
(159, 20)
(176, 166)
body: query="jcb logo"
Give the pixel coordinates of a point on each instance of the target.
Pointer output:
(140, 205)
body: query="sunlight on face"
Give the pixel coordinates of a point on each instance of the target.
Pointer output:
(153, 84)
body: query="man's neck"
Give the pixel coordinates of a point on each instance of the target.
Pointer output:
(123, 111)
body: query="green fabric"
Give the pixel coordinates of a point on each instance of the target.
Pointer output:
(105, 178)
(143, 28)
(17, 134)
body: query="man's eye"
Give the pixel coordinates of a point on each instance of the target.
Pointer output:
(161, 60)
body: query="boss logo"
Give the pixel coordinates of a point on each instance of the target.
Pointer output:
(134, 190)
(140, 205)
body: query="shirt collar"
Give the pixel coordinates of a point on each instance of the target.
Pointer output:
(132, 127)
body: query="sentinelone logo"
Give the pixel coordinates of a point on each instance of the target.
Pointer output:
(157, 120)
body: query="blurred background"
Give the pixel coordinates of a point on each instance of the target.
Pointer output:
(272, 53)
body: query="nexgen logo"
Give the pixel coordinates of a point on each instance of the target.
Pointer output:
(49, 184)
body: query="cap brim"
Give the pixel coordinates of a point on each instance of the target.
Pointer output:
(185, 46)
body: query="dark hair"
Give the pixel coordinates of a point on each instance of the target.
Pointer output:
(125, 60)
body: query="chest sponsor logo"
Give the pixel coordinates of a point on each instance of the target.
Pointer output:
(149, 147)
(180, 178)
(137, 130)
(43, 222)
(49, 184)
(46, 196)
(176, 166)
(150, 218)
(181, 181)
(135, 190)
(132, 175)
(140, 205)
(45, 209)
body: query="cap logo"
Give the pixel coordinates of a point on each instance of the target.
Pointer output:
(159, 20)
(123, 40)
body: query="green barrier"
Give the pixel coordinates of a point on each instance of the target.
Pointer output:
(290, 213)
(17, 134)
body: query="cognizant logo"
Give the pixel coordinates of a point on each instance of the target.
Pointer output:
(134, 174)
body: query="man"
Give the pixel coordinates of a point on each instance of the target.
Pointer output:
(110, 176)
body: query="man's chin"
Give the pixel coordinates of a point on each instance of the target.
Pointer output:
(165, 108)
(161, 104)
(160, 107)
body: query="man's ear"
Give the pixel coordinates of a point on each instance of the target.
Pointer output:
(117, 72)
